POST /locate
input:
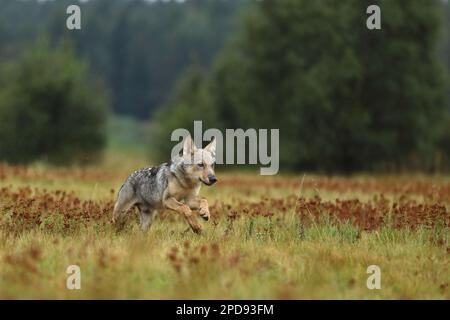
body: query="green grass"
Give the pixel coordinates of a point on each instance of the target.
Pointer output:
(249, 257)
(323, 263)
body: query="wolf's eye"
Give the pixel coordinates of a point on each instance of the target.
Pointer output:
(201, 165)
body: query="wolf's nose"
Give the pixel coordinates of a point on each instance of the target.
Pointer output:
(212, 179)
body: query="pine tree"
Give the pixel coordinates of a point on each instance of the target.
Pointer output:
(344, 97)
(49, 108)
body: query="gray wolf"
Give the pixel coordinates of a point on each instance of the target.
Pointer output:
(174, 186)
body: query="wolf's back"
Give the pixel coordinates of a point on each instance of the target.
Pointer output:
(149, 183)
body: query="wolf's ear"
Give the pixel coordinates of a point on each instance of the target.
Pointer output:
(211, 147)
(189, 147)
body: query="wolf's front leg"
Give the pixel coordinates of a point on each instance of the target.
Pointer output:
(200, 204)
(175, 205)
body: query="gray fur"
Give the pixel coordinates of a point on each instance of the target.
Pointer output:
(144, 189)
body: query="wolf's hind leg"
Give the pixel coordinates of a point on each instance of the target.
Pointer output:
(147, 215)
(125, 200)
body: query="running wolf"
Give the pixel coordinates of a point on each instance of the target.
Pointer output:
(174, 186)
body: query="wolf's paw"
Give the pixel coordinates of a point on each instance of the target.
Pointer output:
(204, 213)
(118, 224)
(205, 217)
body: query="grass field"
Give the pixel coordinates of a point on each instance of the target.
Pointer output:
(286, 237)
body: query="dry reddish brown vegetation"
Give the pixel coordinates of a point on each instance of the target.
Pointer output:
(28, 208)
(434, 189)
(61, 211)
(409, 202)
(189, 257)
(369, 215)
(376, 213)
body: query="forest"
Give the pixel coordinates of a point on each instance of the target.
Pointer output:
(347, 98)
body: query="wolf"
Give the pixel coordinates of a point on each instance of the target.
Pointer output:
(174, 186)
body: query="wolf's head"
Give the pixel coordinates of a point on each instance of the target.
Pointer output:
(198, 164)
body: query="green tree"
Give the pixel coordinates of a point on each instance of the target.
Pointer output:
(344, 97)
(49, 109)
(404, 86)
(138, 47)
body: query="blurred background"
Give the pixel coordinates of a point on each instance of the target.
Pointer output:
(346, 99)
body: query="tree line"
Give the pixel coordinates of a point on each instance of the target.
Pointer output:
(345, 98)
(138, 48)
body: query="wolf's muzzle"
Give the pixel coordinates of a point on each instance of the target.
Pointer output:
(212, 179)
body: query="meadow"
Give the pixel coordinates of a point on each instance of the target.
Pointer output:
(284, 237)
